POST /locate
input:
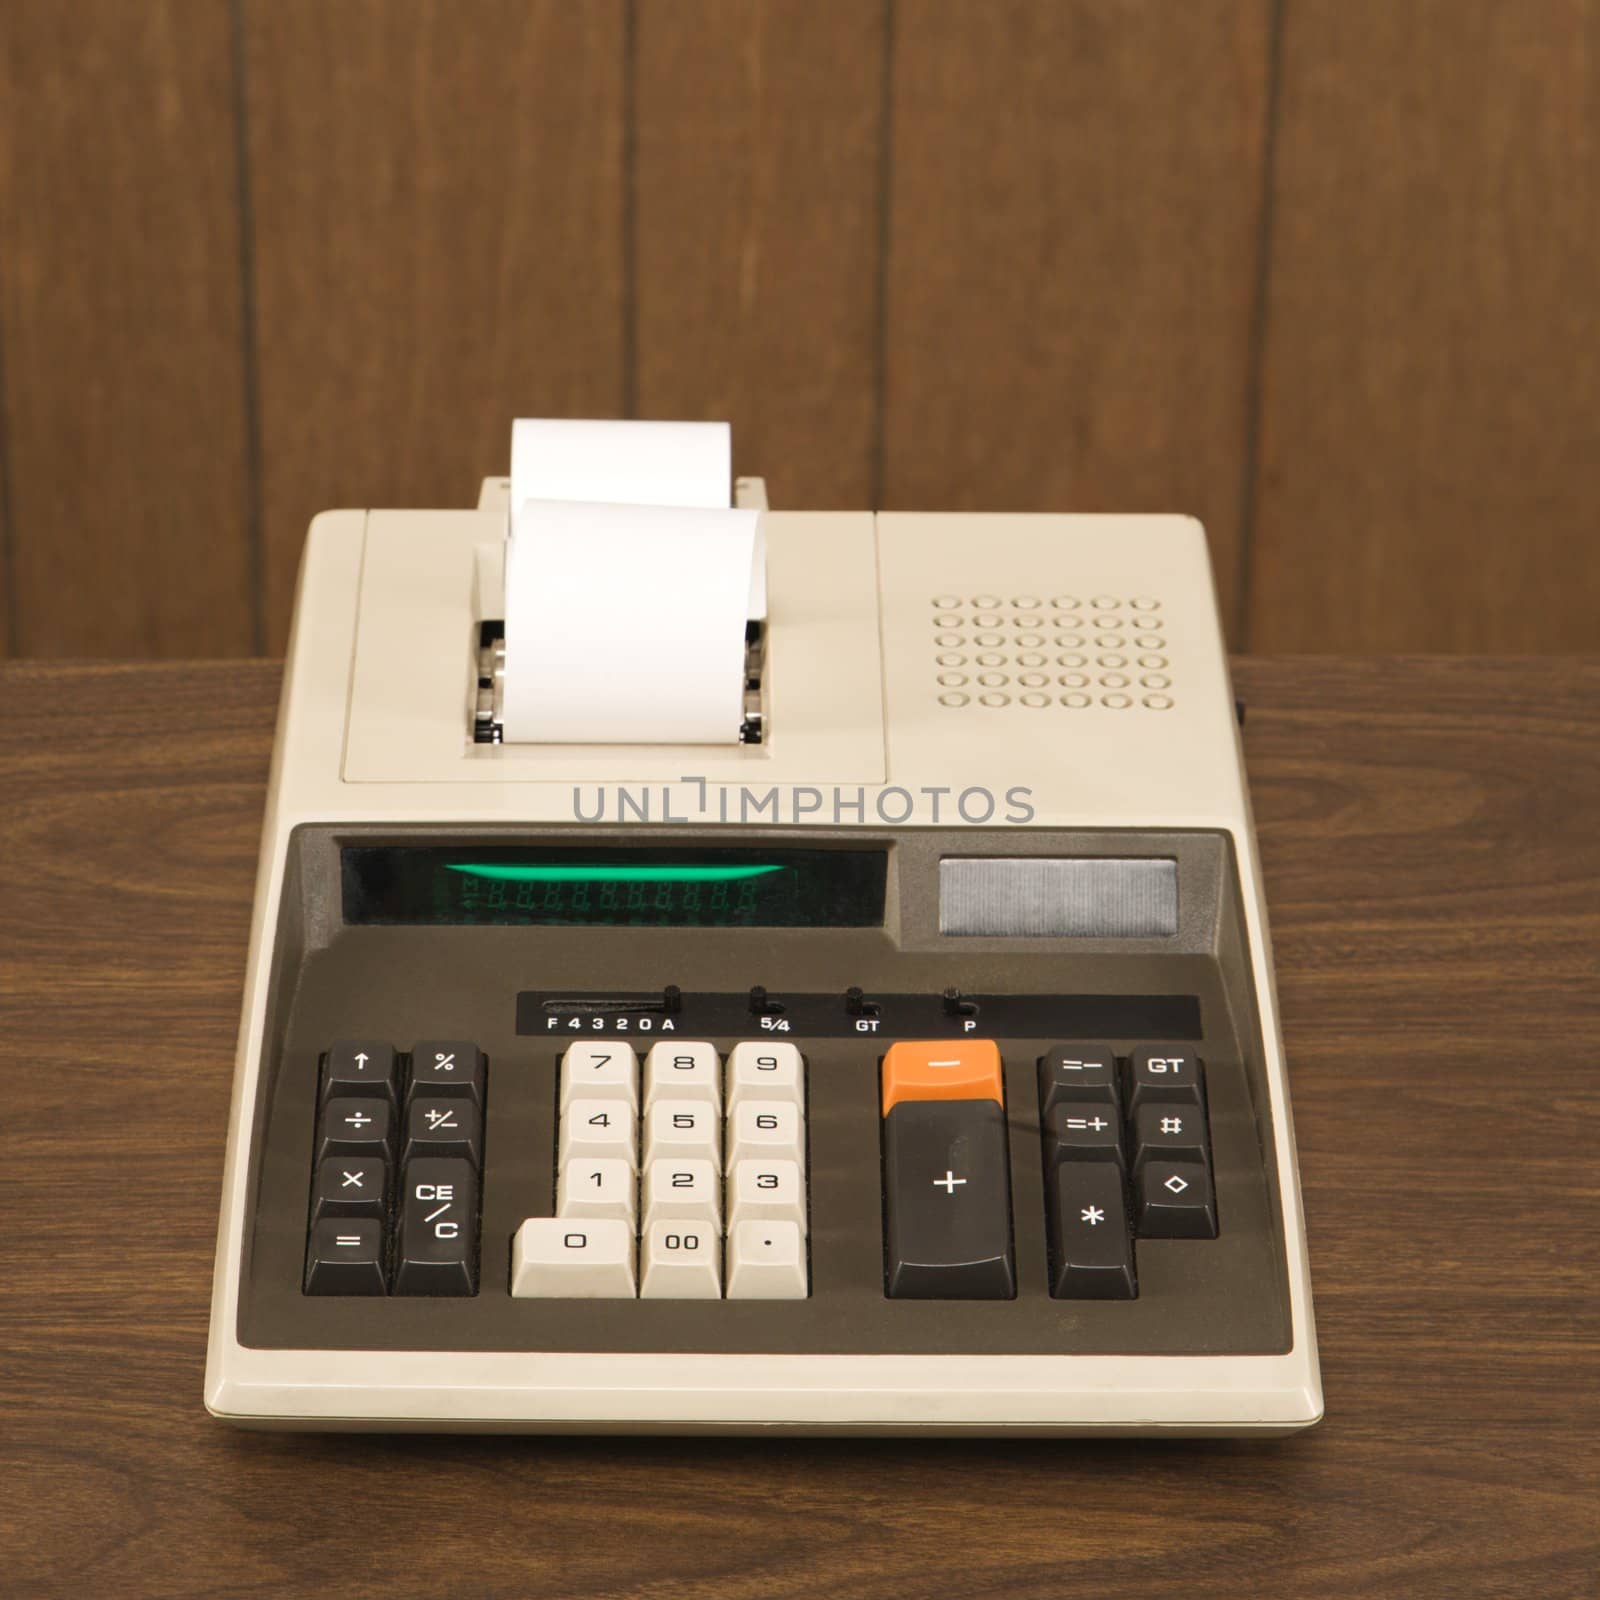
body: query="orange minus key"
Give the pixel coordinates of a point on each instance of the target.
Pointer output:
(942, 1069)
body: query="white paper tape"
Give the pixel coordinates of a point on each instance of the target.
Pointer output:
(622, 463)
(626, 624)
(628, 584)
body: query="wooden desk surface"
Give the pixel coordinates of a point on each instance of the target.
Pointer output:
(1431, 833)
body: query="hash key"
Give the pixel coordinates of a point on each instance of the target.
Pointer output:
(355, 1128)
(1172, 1130)
(447, 1066)
(1083, 1131)
(443, 1125)
(1160, 1074)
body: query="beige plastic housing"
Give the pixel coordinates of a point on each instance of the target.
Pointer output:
(862, 675)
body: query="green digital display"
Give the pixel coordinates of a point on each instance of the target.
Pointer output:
(610, 887)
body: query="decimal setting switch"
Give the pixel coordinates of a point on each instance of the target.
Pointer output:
(947, 1176)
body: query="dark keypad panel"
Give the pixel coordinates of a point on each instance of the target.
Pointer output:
(398, 1158)
(1129, 1156)
(395, 1192)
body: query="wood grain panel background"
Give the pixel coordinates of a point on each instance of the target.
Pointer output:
(1318, 271)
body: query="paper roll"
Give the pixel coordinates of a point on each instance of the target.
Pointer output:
(625, 624)
(628, 584)
(622, 463)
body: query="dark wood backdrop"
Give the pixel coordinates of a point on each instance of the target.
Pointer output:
(1322, 272)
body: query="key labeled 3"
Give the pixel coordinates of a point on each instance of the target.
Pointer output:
(762, 1191)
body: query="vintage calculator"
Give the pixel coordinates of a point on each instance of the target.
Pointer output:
(913, 1066)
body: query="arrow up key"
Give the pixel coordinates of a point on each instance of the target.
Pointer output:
(360, 1066)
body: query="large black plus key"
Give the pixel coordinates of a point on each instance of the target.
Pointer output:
(948, 1201)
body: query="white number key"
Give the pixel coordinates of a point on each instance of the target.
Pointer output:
(767, 1130)
(600, 1188)
(683, 1190)
(680, 1261)
(597, 1130)
(576, 1258)
(682, 1071)
(600, 1069)
(685, 1129)
(766, 1191)
(758, 1070)
(766, 1261)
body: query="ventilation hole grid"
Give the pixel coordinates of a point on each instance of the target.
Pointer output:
(1070, 652)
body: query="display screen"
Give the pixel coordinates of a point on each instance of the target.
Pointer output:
(577, 887)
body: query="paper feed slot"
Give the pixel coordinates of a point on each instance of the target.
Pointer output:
(488, 716)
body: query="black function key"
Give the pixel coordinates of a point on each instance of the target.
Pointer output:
(345, 1256)
(1091, 1253)
(947, 1187)
(1176, 1201)
(355, 1128)
(447, 1066)
(1077, 1072)
(1173, 1131)
(350, 1186)
(360, 1067)
(1160, 1074)
(1082, 1131)
(438, 1248)
(443, 1125)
